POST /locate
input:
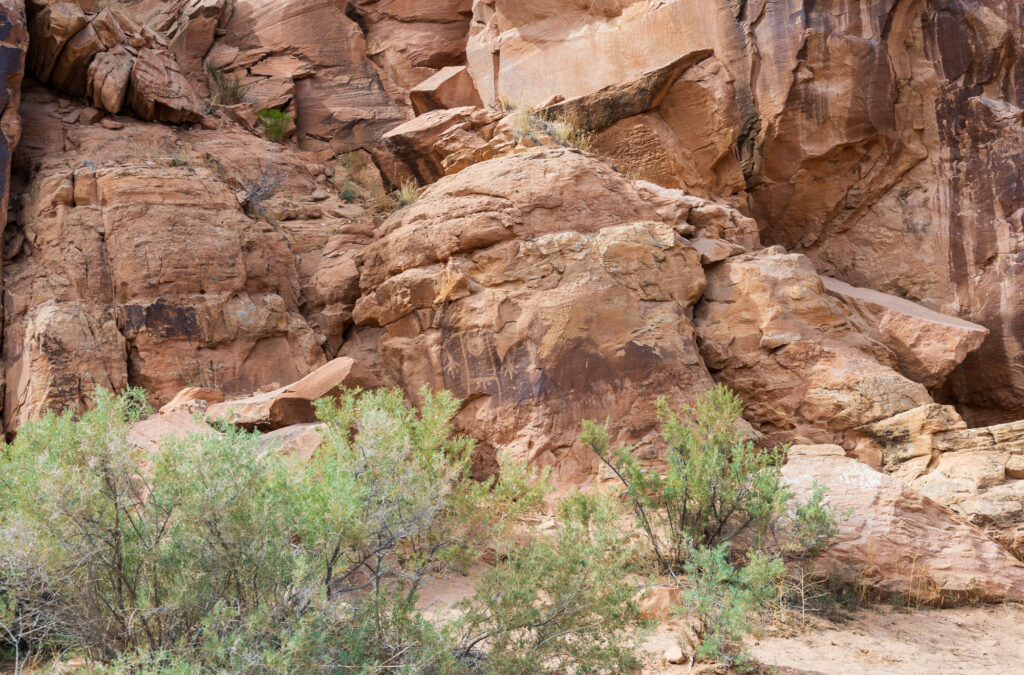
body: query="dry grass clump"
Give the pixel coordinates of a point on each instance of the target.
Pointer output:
(565, 131)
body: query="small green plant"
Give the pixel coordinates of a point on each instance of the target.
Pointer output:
(228, 89)
(348, 192)
(276, 124)
(722, 599)
(181, 159)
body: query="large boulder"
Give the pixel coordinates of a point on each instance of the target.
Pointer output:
(542, 289)
(159, 92)
(895, 542)
(928, 345)
(978, 473)
(807, 370)
(84, 50)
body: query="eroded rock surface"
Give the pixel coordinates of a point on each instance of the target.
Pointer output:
(542, 289)
(978, 473)
(132, 260)
(883, 143)
(897, 542)
(807, 370)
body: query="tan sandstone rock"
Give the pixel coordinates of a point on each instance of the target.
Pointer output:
(192, 400)
(897, 542)
(293, 404)
(542, 289)
(927, 345)
(140, 223)
(159, 92)
(342, 104)
(450, 87)
(412, 39)
(298, 441)
(976, 472)
(156, 430)
(805, 368)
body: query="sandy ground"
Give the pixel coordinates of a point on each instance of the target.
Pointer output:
(877, 640)
(886, 640)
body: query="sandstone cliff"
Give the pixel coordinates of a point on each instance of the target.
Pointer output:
(819, 204)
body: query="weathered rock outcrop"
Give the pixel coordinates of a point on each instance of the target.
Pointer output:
(132, 261)
(897, 542)
(340, 102)
(543, 289)
(13, 47)
(293, 404)
(978, 473)
(82, 49)
(882, 142)
(414, 39)
(927, 345)
(807, 370)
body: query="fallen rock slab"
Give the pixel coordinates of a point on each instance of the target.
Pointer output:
(293, 404)
(898, 543)
(928, 345)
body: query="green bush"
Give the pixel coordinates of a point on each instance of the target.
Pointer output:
(275, 124)
(718, 493)
(214, 555)
(558, 602)
(722, 599)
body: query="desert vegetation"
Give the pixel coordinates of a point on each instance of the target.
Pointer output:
(217, 556)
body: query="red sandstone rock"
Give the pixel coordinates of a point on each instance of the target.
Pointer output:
(450, 87)
(293, 404)
(806, 369)
(897, 542)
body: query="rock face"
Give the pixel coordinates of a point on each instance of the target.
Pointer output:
(883, 143)
(414, 39)
(340, 101)
(131, 260)
(81, 49)
(14, 44)
(807, 370)
(897, 542)
(978, 473)
(542, 289)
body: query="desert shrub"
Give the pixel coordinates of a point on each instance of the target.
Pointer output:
(215, 556)
(564, 130)
(722, 598)
(228, 89)
(349, 193)
(137, 556)
(717, 494)
(559, 603)
(275, 124)
(261, 188)
(717, 487)
(407, 192)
